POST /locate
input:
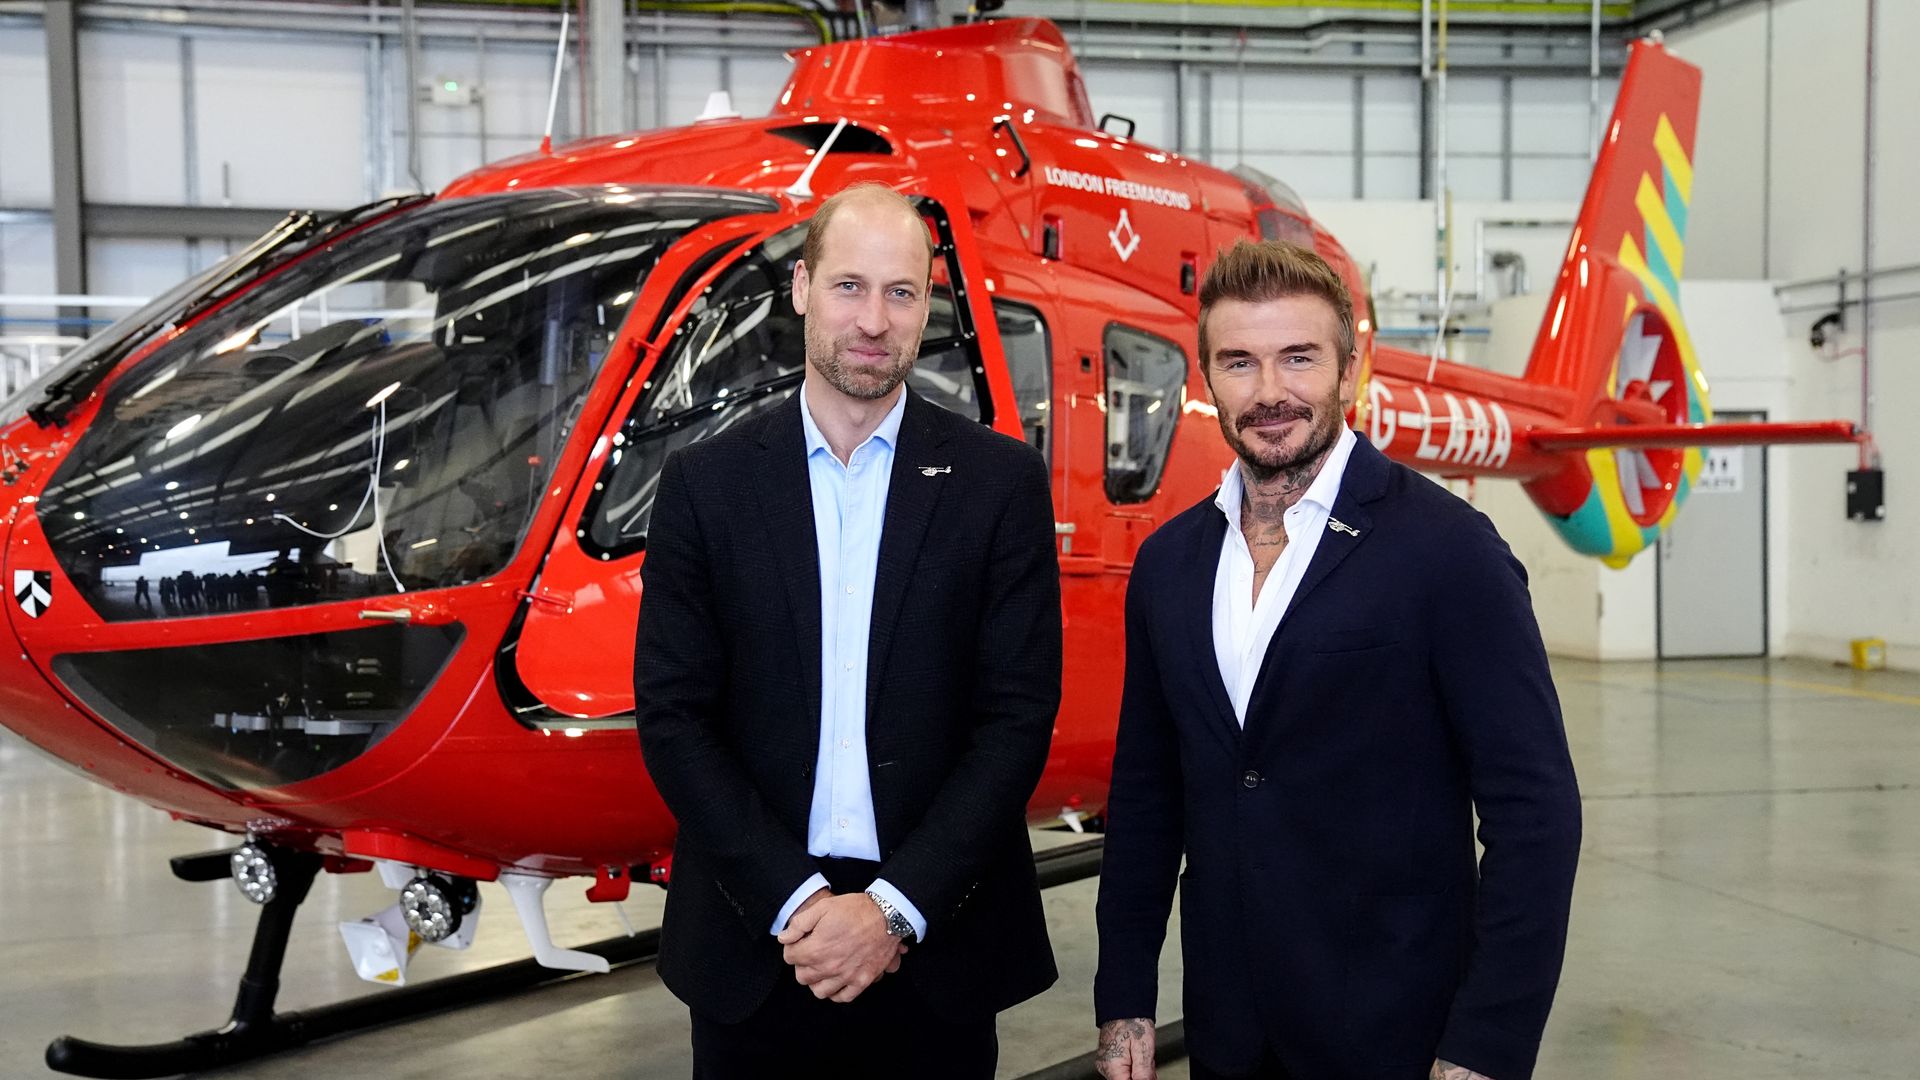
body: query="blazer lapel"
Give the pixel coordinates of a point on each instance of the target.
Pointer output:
(1196, 624)
(786, 499)
(1364, 481)
(911, 498)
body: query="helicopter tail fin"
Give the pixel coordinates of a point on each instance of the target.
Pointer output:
(1613, 334)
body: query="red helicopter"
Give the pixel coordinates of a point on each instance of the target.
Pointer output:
(336, 546)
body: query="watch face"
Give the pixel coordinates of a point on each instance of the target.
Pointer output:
(898, 924)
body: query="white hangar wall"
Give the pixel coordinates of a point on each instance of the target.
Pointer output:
(217, 116)
(26, 243)
(1783, 192)
(1338, 136)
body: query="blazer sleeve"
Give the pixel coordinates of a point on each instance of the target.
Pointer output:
(1145, 830)
(1015, 702)
(1491, 672)
(679, 670)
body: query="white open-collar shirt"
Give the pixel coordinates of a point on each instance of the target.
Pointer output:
(1243, 626)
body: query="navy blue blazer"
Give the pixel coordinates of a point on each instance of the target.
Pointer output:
(963, 684)
(1331, 907)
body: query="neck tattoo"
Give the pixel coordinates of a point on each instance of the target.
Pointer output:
(1267, 495)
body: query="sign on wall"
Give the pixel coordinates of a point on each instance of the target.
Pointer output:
(1721, 473)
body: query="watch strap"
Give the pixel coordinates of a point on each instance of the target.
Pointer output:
(897, 922)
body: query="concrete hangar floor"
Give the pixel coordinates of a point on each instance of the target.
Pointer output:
(1748, 906)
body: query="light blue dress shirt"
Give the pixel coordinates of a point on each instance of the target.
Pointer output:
(849, 508)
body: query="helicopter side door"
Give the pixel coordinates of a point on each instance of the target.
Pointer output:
(735, 348)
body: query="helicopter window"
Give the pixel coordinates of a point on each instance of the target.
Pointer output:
(740, 350)
(1023, 334)
(1281, 225)
(380, 417)
(853, 139)
(944, 372)
(245, 715)
(1146, 389)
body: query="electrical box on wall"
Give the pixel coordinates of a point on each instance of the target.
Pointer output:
(1866, 495)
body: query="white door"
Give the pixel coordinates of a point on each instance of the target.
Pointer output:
(1712, 569)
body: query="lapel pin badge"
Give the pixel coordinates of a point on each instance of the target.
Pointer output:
(935, 470)
(1337, 525)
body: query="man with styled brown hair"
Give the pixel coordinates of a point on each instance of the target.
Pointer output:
(1332, 665)
(846, 678)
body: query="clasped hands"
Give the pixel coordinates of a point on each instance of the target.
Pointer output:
(839, 945)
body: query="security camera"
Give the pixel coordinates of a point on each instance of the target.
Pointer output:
(1828, 328)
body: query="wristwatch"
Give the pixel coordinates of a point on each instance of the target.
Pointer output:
(897, 923)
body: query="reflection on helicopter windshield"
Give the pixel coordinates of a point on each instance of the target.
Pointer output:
(741, 350)
(381, 417)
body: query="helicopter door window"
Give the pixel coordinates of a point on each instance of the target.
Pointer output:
(742, 349)
(1023, 334)
(944, 372)
(1146, 391)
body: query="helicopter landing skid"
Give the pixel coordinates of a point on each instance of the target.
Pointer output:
(255, 1030)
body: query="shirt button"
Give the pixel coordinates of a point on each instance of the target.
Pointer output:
(1251, 779)
(849, 590)
(849, 665)
(845, 744)
(843, 823)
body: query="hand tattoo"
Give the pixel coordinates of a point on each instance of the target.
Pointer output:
(1447, 1070)
(1116, 1034)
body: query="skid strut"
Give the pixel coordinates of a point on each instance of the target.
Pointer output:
(253, 1028)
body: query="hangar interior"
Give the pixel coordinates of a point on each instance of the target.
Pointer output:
(1751, 865)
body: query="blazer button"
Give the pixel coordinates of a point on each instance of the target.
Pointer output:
(1251, 779)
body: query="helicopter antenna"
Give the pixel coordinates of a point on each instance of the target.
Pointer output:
(802, 189)
(553, 96)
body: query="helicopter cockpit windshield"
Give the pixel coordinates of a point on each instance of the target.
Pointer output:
(378, 418)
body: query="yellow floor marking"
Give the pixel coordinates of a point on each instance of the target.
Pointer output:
(1817, 687)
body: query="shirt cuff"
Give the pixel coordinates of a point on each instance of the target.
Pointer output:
(899, 900)
(807, 888)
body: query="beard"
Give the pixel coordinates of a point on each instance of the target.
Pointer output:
(866, 381)
(1265, 461)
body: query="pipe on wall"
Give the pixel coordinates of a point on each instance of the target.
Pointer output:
(1869, 456)
(1442, 242)
(1593, 86)
(410, 34)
